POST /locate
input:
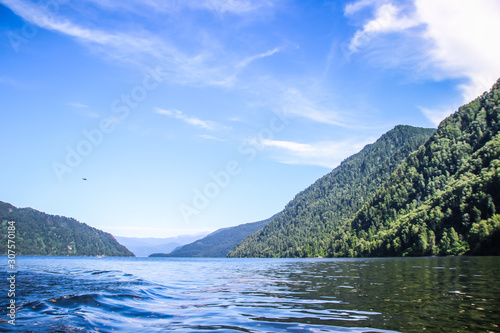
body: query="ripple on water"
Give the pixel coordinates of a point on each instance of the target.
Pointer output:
(247, 296)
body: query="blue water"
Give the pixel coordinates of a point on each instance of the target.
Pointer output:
(80, 294)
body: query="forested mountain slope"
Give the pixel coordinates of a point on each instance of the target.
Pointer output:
(218, 243)
(445, 199)
(307, 225)
(37, 233)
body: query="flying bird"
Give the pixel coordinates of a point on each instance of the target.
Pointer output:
(84, 178)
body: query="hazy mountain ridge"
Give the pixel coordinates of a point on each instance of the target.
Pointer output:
(38, 233)
(306, 225)
(218, 243)
(143, 247)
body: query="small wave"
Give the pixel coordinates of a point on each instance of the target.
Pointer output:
(100, 272)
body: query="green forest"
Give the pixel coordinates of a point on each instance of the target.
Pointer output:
(218, 243)
(37, 233)
(443, 199)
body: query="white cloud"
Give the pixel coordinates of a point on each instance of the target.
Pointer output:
(465, 35)
(237, 7)
(295, 147)
(176, 114)
(78, 105)
(229, 6)
(327, 154)
(245, 62)
(210, 137)
(83, 109)
(456, 39)
(387, 19)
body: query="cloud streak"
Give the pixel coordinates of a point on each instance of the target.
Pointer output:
(193, 121)
(78, 105)
(306, 99)
(211, 137)
(219, 7)
(229, 6)
(326, 154)
(249, 60)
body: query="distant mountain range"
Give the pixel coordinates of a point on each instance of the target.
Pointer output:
(408, 194)
(143, 247)
(218, 243)
(37, 233)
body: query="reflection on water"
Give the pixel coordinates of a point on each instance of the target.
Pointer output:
(256, 295)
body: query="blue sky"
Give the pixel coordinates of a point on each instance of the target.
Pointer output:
(188, 116)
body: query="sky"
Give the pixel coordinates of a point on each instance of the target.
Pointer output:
(161, 118)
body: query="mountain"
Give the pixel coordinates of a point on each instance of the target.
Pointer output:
(318, 214)
(218, 243)
(143, 247)
(444, 199)
(37, 233)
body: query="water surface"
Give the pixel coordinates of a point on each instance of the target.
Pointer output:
(78, 294)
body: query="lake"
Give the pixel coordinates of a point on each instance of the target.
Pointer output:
(81, 294)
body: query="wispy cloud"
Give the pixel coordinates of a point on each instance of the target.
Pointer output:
(354, 7)
(296, 103)
(207, 64)
(83, 109)
(306, 99)
(245, 62)
(176, 114)
(78, 105)
(219, 7)
(229, 6)
(124, 42)
(453, 41)
(327, 154)
(295, 147)
(211, 137)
